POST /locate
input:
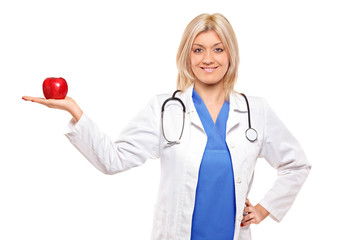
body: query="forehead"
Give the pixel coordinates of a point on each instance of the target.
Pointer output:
(207, 38)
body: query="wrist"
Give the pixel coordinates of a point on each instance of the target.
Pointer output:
(262, 211)
(75, 111)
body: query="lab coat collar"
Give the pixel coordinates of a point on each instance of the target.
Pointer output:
(186, 97)
(237, 102)
(237, 106)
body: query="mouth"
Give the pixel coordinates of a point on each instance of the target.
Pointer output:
(208, 69)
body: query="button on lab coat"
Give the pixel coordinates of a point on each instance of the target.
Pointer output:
(142, 139)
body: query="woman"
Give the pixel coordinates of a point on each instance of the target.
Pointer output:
(207, 174)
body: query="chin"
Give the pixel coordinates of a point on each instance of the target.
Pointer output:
(208, 81)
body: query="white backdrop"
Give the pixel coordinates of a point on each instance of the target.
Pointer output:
(302, 56)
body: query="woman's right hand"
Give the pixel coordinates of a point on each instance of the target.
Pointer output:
(68, 104)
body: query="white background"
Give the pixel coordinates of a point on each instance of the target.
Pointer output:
(302, 56)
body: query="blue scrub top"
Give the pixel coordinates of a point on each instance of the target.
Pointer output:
(214, 211)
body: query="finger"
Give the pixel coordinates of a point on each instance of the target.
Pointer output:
(43, 101)
(33, 99)
(244, 224)
(248, 217)
(27, 98)
(40, 100)
(248, 203)
(248, 209)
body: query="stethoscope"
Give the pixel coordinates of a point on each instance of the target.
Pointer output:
(250, 133)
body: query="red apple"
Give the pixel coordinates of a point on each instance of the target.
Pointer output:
(55, 88)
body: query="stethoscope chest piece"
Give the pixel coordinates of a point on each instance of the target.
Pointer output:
(251, 134)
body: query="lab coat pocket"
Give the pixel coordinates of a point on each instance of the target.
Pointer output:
(160, 225)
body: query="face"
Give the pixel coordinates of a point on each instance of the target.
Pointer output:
(209, 60)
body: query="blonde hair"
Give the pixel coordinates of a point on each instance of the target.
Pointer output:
(203, 23)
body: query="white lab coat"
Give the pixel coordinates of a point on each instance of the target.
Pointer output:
(142, 139)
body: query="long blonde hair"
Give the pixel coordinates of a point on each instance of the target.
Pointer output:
(203, 23)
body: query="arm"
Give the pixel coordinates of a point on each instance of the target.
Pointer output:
(283, 153)
(138, 142)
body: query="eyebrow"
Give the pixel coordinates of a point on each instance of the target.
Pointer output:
(213, 45)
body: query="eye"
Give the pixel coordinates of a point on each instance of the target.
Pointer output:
(219, 50)
(198, 50)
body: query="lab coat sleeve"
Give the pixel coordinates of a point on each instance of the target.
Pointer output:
(137, 142)
(283, 153)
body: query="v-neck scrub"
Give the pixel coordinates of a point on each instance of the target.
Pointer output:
(214, 211)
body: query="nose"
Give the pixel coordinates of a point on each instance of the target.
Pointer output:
(208, 58)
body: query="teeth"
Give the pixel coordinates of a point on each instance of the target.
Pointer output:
(209, 69)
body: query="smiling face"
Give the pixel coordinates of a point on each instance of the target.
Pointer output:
(209, 59)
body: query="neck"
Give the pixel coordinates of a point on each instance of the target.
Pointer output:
(211, 93)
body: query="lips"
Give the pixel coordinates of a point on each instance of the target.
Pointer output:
(209, 69)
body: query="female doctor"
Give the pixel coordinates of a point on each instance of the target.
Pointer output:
(206, 172)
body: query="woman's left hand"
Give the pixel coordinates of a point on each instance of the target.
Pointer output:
(253, 215)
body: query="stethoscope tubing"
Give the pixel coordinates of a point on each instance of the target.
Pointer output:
(173, 98)
(251, 134)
